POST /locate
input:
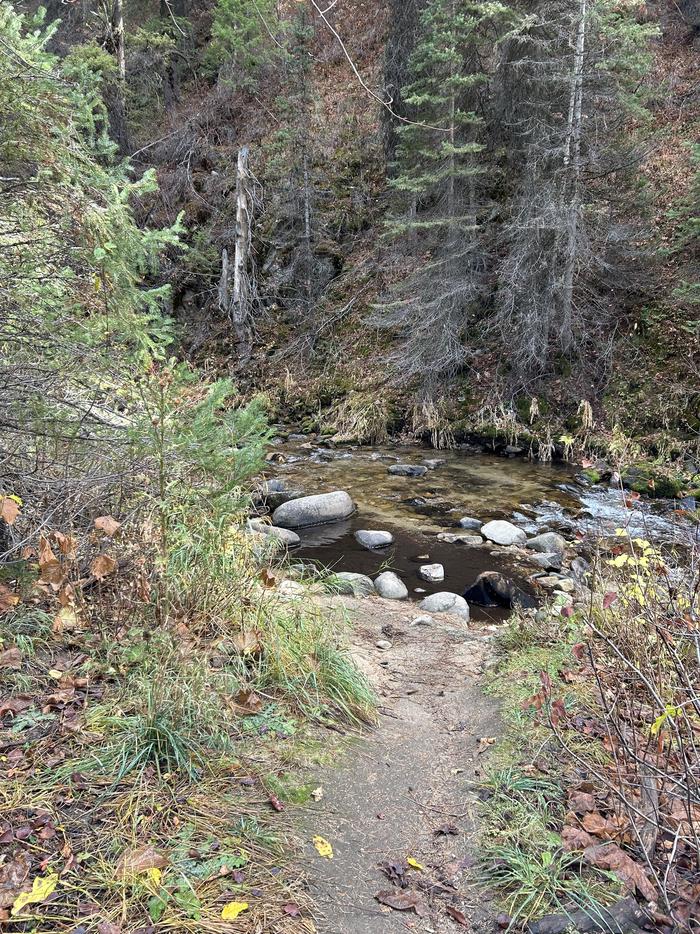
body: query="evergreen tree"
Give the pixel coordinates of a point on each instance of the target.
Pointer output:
(440, 180)
(566, 88)
(241, 41)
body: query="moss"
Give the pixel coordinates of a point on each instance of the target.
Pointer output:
(649, 480)
(594, 476)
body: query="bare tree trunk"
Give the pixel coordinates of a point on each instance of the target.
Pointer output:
(235, 299)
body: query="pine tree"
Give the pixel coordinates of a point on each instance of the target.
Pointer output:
(241, 42)
(566, 87)
(440, 181)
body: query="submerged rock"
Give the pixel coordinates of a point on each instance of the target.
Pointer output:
(390, 586)
(446, 602)
(369, 538)
(494, 589)
(407, 470)
(314, 510)
(503, 533)
(431, 572)
(434, 463)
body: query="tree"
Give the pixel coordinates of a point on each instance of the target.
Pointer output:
(440, 183)
(242, 40)
(565, 89)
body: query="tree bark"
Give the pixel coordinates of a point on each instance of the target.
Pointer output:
(235, 298)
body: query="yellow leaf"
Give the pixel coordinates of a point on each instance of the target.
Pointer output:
(232, 910)
(323, 846)
(41, 889)
(155, 875)
(413, 863)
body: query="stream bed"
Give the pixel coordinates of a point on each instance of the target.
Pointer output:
(536, 497)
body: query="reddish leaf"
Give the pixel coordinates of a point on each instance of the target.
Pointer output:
(250, 701)
(578, 651)
(8, 599)
(546, 682)
(276, 803)
(49, 565)
(12, 877)
(402, 901)
(457, 916)
(15, 705)
(573, 838)
(608, 600)
(291, 909)
(581, 802)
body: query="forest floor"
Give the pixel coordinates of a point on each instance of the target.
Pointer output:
(408, 790)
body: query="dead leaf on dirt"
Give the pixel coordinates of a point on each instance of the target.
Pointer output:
(292, 910)
(107, 927)
(603, 827)
(50, 571)
(402, 901)
(67, 620)
(395, 871)
(247, 643)
(457, 916)
(8, 599)
(108, 525)
(573, 838)
(268, 577)
(610, 856)
(103, 566)
(581, 802)
(11, 658)
(12, 879)
(249, 701)
(15, 705)
(9, 509)
(134, 862)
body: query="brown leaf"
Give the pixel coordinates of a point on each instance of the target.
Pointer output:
(107, 927)
(610, 856)
(268, 577)
(108, 525)
(581, 802)
(8, 599)
(573, 838)
(249, 701)
(457, 916)
(133, 862)
(67, 544)
(291, 909)
(12, 878)
(11, 658)
(606, 828)
(49, 565)
(9, 510)
(16, 704)
(247, 643)
(401, 901)
(103, 566)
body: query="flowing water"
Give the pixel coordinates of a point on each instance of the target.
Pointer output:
(536, 497)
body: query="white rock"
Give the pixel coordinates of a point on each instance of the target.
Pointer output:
(383, 644)
(390, 586)
(370, 538)
(445, 602)
(503, 533)
(423, 620)
(314, 510)
(359, 585)
(431, 572)
(284, 535)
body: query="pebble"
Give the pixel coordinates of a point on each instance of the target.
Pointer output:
(423, 620)
(383, 644)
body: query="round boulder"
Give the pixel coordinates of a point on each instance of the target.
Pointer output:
(286, 536)
(390, 586)
(358, 585)
(369, 538)
(314, 510)
(445, 602)
(548, 543)
(504, 533)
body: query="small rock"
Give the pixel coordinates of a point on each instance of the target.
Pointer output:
(567, 585)
(284, 535)
(407, 470)
(383, 644)
(548, 562)
(390, 586)
(359, 585)
(454, 538)
(547, 543)
(434, 463)
(466, 522)
(291, 589)
(431, 572)
(295, 436)
(370, 538)
(419, 590)
(549, 581)
(580, 568)
(512, 450)
(504, 533)
(423, 620)
(446, 602)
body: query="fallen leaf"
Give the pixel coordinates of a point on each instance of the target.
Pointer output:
(103, 566)
(155, 875)
(250, 701)
(50, 571)
(323, 847)
(12, 877)
(107, 927)
(268, 577)
(108, 525)
(9, 509)
(581, 802)
(134, 862)
(457, 916)
(608, 600)
(276, 803)
(291, 909)
(610, 856)
(247, 643)
(317, 794)
(67, 544)
(42, 887)
(573, 838)
(414, 864)
(232, 910)
(8, 599)
(401, 901)
(15, 705)
(11, 658)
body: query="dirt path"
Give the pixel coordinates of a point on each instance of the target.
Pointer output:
(409, 778)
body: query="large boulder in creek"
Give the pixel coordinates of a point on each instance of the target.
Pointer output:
(314, 510)
(493, 589)
(407, 470)
(370, 538)
(504, 533)
(548, 543)
(286, 536)
(446, 602)
(390, 586)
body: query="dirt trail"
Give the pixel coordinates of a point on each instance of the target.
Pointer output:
(410, 777)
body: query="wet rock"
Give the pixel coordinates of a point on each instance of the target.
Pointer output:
(434, 463)
(454, 538)
(390, 586)
(370, 538)
(431, 572)
(359, 585)
(286, 536)
(407, 470)
(494, 589)
(547, 543)
(548, 562)
(383, 644)
(295, 436)
(503, 533)
(314, 510)
(466, 522)
(512, 450)
(446, 602)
